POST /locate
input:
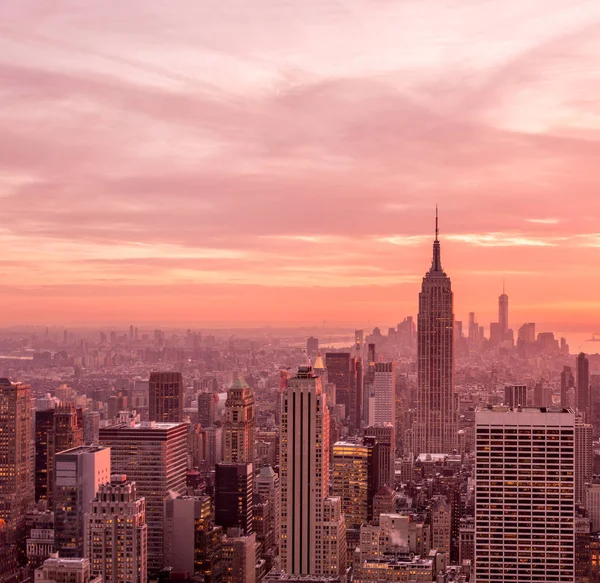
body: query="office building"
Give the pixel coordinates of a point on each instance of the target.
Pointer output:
(154, 456)
(340, 372)
(515, 395)
(66, 433)
(239, 558)
(234, 488)
(40, 537)
(592, 505)
(207, 409)
(266, 484)
(116, 537)
(584, 459)
(304, 474)
(185, 517)
(16, 462)
(584, 396)
(525, 495)
(503, 315)
(91, 427)
(354, 478)
(385, 464)
(333, 538)
(312, 347)
(384, 394)
(440, 515)
(79, 473)
(240, 423)
(65, 570)
(567, 381)
(166, 397)
(44, 422)
(435, 429)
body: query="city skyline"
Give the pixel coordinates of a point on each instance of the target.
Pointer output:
(141, 209)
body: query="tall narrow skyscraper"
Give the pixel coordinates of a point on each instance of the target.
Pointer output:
(503, 314)
(239, 424)
(436, 423)
(584, 397)
(306, 535)
(166, 397)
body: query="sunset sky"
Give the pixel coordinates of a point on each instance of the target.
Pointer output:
(280, 160)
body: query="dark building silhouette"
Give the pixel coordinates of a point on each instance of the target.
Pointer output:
(166, 397)
(233, 496)
(584, 397)
(44, 423)
(339, 373)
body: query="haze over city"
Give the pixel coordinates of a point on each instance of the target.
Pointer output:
(268, 162)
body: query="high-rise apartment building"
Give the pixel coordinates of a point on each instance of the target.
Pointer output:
(66, 433)
(436, 427)
(79, 472)
(584, 396)
(234, 488)
(304, 474)
(16, 461)
(384, 394)
(240, 423)
(116, 538)
(525, 495)
(154, 456)
(166, 397)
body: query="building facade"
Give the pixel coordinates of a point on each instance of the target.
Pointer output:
(435, 429)
(116, 537)
(166, 397)
(240, 424)
(154, 456)
(525, 495)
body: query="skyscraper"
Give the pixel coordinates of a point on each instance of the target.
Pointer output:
(207, 409)
(339, 373)
(355, 478)
(304, 473)
(567, 380)
(503, 315)
(116, 537)
(524, 495)
(16, 461)
(384, 394)
(239, 423)
(436, 422)
(166, 397)
(584, 459)
(385, 438)
(79, 472)
(584, 396)
(234, 487)
(66, 433)
(44, 422)
(154, 456)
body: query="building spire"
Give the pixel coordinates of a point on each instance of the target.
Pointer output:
(436, 264)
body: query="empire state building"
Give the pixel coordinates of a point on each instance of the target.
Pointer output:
(436, 423)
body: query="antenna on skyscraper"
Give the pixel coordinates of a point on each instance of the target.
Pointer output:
(437, 229)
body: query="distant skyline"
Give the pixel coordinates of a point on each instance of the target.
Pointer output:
(281, 161)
